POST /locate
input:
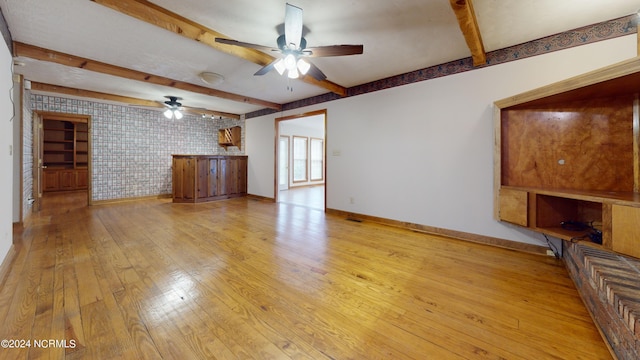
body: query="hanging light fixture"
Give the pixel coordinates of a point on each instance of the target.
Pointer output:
(292, 65)
(173, 110)
(279, 65)
(173, 113)
(303, 66)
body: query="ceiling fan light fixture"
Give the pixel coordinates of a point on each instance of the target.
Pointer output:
(293, 73)
(177, 114)
(290, 62)
(168, 114)
(279, 66)
(211, 78)
(303, 66)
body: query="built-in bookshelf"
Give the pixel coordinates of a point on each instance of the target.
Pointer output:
(65, 155)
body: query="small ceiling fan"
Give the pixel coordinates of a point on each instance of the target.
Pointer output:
(174, 108)
(292, 49)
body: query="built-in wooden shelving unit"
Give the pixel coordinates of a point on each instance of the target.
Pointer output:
(65, 155)
(569, 153)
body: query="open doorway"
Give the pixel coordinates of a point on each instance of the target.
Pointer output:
(62, 157)
(300, 160)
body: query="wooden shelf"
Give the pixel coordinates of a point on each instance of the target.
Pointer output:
(230, 137)
(611, 197)
(561, 233)
(65, 155)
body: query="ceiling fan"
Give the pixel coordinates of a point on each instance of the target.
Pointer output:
(174, 108)
(292, 49)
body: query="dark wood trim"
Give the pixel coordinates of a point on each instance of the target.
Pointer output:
(459, 235)
(304, 115)
(52, 115)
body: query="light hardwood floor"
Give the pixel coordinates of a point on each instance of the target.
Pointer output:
(254, 280)
(309, 196)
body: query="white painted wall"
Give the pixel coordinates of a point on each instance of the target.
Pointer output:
(6, 157)
(423, 153)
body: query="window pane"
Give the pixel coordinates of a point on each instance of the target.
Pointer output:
(299, 158)
(317, 159)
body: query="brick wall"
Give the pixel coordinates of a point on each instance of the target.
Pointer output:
(609, 284)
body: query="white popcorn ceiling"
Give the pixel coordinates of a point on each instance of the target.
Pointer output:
(399, 36)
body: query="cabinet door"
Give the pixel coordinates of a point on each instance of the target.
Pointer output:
(222, 176)
(232, 176)
(513, 206)
(189, 179)
(82, 179)
(625, 230)
(67, 179)
(242, 175)
(213, 177)
(176, 178)
(202, 190)
(50, 180)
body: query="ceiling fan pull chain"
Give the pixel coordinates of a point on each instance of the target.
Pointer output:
(289, 86)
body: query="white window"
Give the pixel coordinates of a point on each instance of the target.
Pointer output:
(317, 159)
(300, 156)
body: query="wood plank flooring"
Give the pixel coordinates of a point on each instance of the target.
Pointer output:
(309, 196)
(245, 279)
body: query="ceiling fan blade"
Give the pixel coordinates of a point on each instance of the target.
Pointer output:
(265, 69)
(247, 45)
(293, 26)
(333, 50)
(316, 73)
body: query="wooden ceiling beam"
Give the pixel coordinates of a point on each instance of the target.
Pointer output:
(469, 25)
(158, 16)
(38, 53)
(43, 87)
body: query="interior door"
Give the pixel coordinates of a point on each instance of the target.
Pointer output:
(38, 138)
(283, 163)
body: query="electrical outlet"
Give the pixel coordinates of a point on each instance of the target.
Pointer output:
(352, 200)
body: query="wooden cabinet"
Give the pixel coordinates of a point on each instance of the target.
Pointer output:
(568, 154)
(198, 178)
(513, 206)
(625, 221)
(65, 155)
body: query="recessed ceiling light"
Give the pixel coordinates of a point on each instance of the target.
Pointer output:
(211, 78)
